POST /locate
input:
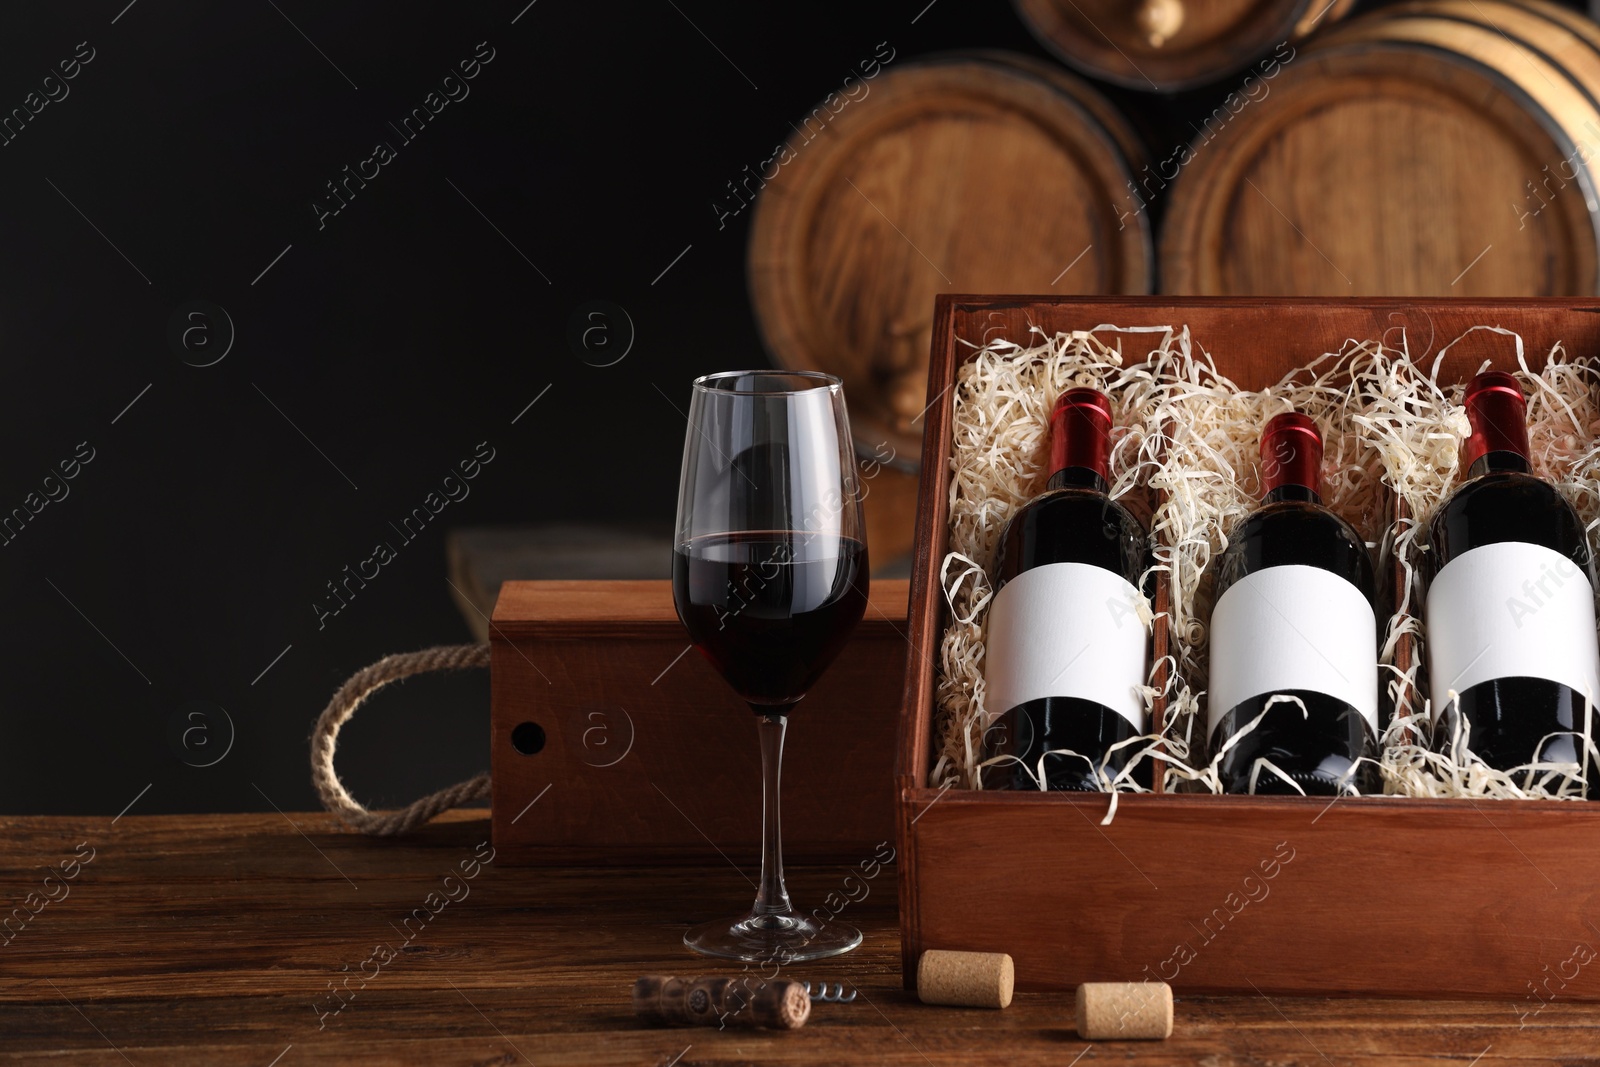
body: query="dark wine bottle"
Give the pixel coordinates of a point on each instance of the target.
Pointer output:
(1067, 648)
(1512, 653)
(1294, 617)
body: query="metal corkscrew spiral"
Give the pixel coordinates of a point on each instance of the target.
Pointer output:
(836, 995)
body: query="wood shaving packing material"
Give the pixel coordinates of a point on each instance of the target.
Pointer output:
(1185, 460)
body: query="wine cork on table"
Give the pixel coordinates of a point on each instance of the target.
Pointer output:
(965, 979)
(1121, 1011)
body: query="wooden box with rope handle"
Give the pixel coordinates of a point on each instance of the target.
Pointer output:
(614, 742)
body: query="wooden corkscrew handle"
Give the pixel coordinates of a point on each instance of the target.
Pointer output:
(719, 1002)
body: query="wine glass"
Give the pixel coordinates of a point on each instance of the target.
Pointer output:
(769, 576)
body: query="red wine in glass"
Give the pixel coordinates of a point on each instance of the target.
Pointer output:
(770, 609)
(770, 577)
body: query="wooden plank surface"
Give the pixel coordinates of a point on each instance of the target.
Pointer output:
(191, 940)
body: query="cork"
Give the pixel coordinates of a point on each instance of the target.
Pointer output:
(721, 1002)
(965, 979)
(1123, 1011)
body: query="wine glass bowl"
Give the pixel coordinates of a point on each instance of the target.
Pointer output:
(769, 577)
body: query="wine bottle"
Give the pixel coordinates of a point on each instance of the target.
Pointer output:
(1294, 617)
(1068, 648)
(1512, 653)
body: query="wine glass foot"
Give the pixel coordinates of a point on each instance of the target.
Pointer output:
(772, 938)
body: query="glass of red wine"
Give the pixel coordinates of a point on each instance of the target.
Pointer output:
(769, 576)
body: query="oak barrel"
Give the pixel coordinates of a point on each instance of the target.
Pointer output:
(1434, 148)
(969, 173)
(1166, 45)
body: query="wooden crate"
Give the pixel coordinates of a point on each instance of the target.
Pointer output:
(1239, 894)
(649, 757)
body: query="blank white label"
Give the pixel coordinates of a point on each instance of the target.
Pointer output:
(1511, 610)
(1293, 627)
(1068, 630)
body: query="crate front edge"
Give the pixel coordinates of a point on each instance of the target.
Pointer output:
(1244, 895)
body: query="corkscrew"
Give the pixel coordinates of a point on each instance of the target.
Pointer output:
(836, 995)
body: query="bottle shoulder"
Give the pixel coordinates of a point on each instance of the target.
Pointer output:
(1295, 533)
(1072, 525)
(1506, 506)
(1075, 501)
(1300, 516)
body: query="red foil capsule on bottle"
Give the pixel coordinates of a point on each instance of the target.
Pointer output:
(1080, 432)
(1291, 453)
(1498, 414)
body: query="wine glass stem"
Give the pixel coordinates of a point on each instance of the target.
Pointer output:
(772, 898)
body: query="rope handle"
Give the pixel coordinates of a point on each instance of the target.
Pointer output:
(351, 695)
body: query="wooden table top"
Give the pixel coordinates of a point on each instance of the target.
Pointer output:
(179, 940)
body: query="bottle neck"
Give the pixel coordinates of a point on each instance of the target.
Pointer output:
(1080, 441)
(1078, 478)
(1498, 461)
(1291, 459)
(1302, 494)
(1497, 415)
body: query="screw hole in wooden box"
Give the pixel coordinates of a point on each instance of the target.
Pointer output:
(528, 738)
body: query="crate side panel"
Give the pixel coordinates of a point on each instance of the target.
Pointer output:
(1255, 341)
(1239, 895)
(650, 757)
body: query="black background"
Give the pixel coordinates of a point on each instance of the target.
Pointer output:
(396, 338)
